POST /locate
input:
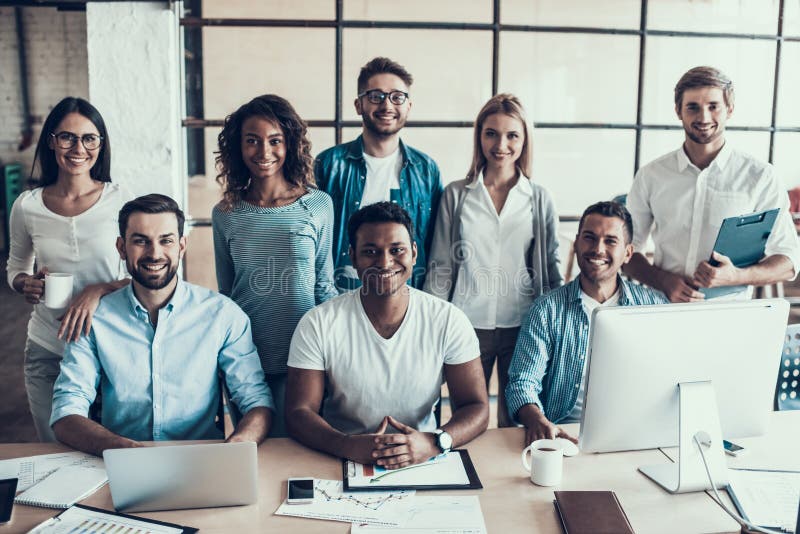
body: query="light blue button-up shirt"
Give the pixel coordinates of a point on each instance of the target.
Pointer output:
(162, 383)
(547, 366)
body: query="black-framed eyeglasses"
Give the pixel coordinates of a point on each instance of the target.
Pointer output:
(376, 96)
(68, 139)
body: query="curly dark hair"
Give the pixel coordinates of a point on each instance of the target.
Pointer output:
(234, 176)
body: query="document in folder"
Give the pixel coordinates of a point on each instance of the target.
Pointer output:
(453, 470)
(743, 239)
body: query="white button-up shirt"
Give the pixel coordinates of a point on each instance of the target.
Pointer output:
(494, 286)
(684, 206)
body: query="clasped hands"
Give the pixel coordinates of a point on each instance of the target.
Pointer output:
(685, 289)
(392, 451)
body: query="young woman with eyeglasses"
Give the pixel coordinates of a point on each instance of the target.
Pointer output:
(273, 230)
(495, 243)
(66, 224)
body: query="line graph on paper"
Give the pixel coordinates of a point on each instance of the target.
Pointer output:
(369, 501)
(385, 508)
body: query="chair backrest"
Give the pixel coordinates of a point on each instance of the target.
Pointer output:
(787, 390)
(226, 407)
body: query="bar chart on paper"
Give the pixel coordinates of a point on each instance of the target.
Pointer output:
(80, 520)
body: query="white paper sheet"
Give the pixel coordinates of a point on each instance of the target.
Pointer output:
(443, 469)
(388, 508)
(767, 498)
(31, 469)
(437, 514)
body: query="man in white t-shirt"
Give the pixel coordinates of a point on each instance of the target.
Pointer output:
(377, 166)
(683, 197)
(374, 359)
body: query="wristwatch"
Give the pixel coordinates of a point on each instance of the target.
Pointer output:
(443, 440)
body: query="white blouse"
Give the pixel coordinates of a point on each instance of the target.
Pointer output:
(494, 288)
(83, 245)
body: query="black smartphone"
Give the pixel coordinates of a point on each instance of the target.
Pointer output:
(301, 491)
(8, 489)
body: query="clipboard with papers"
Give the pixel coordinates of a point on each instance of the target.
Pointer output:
(743, 239)
(452, 470)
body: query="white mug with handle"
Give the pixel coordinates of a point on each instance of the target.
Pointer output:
(547, 462)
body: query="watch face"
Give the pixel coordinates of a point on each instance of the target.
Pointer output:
(445, 441)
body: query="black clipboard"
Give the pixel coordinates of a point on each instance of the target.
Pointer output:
(469, 468)
(186, 530)
(743, 239)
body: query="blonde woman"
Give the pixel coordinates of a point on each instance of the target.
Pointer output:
(495, 243)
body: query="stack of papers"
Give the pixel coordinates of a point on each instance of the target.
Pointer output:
(32, 469)
(766, 498)
(387, 512)
(55, 480)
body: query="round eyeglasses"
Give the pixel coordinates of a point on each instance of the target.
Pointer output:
(67, 140)
(376, 96)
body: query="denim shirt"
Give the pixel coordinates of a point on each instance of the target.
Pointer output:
(341, 172)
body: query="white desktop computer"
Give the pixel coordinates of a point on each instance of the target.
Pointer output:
(681, 374)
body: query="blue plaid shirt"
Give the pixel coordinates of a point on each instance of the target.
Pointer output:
(547, 366)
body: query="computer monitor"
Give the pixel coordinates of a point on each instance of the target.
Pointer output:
(639, 354)
(682, 374)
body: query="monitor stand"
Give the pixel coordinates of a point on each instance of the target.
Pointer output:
(698, 414)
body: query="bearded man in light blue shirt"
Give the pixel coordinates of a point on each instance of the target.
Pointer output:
(156, 348)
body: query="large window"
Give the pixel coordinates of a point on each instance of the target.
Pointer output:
(596, 80)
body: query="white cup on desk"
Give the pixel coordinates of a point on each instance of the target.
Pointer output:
(547, 462)
(57, 290)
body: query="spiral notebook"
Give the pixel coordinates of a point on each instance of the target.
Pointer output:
(64, 487)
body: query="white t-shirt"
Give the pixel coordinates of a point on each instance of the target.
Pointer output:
(383, 175)
(369, 377)
(589, 304)
(83, 245)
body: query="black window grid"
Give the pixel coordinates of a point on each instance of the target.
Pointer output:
(195, 22)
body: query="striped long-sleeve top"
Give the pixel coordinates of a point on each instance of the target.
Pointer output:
(276, 264)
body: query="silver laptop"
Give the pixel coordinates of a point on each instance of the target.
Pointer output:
(182, 476)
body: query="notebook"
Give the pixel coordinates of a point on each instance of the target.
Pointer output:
(591, 512)
(64, 487)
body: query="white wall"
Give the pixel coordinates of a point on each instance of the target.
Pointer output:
(55, 49)
(134, 79)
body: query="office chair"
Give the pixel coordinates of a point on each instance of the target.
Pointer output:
(787, 390)
(226, 406)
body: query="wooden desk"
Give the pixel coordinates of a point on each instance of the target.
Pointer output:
(509, 501)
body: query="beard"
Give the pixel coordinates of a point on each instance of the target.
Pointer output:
(705, 139)
(151, 280)
(382, 131)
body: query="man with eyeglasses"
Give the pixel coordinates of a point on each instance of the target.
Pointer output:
(378, 166)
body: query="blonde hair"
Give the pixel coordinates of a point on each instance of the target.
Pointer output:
(506, 104)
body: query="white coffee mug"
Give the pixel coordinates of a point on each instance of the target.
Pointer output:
(57, 290)
(547, 461)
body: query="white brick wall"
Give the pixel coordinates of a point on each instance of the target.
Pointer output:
(55, 44)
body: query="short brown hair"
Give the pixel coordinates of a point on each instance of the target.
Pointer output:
(704, 77)
(152, 203)
(382, 65)
(506, 104)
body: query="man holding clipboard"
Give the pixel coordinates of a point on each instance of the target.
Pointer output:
(684, 196)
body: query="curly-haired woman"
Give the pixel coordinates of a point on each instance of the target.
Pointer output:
(272, 230)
